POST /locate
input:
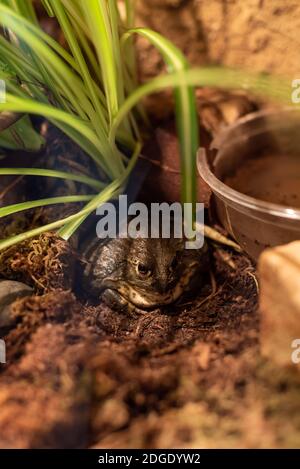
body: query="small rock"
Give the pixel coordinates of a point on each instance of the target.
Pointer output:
(10, 290)
(203, 354)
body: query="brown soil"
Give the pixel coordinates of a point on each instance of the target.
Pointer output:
(103, 372)
(272, 178)
(82, 375)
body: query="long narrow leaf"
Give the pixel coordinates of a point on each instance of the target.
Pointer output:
(15, 208)
(98, 21)
(54, 174)
(21, 136)
(186, 112)
(67, 231)
(105, 195)
(273, 87)
(76, 51)
(17, 104)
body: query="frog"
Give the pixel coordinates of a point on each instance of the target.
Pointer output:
(138, 275)
(145, 274)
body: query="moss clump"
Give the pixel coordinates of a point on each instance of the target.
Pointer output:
(45, 262)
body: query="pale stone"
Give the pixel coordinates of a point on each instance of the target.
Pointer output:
(279, 273)
(10, 290)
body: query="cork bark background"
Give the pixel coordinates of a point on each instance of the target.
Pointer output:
(260, 35)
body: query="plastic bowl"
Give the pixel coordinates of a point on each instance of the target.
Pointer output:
(255, 224)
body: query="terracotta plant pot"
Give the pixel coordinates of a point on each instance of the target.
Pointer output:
(162, 183)
(253, 170)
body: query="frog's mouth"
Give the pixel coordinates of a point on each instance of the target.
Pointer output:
(144, 299)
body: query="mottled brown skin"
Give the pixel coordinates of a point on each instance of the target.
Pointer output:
(139, 275)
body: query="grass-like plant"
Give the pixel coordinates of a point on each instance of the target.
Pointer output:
(89, 90)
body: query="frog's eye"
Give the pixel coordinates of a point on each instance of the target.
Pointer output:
(143, 270)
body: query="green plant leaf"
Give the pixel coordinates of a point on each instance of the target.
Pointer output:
(114, 188)
(89, 91)
(185, 112)
(69, 121)
(277, 89)
(98, 22)
(111, 190)
(15, 208)
(54, 174)
(21, 136)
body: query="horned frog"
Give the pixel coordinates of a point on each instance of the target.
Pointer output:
(143, 274)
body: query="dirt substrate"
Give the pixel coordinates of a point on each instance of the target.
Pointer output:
(82, 375)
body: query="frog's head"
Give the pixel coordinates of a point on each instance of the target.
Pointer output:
(156, 273)
(154, 264)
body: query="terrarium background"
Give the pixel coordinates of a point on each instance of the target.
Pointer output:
(84, 375)
(262, 35)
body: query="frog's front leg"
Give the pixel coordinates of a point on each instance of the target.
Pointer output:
(116, 301)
